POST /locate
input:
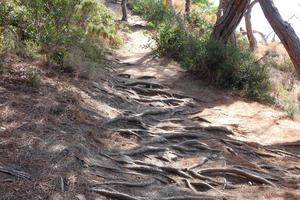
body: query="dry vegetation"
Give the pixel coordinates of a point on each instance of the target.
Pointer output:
(124, 138)
(119, 136)
(285, 85)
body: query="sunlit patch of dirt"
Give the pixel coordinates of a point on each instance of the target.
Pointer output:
(139, 133)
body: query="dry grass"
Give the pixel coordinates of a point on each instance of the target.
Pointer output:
(57, 134)
(285, 86)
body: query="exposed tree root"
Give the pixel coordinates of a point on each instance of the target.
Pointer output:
(210, 129)
(196, 144)
(169, 101)
(16, 173)
(197, 165)
(129, 119)
(145, 84)
(153, 92)
(239, 172)
(130, 132)
(279, 151)
(124, 76)
(168, 143)
(128, 184)
(114, 194)
(153, 144)
(143, 150)
(146, 77)
(179, 172)
(181, 135)
(201, 119)
(123, 196)
(189, 185)
(202, 183)
(154, 112)
(219, 129)
(125, 118)
(189, 197)
(201, 177)
(162, 145)
(149, 169)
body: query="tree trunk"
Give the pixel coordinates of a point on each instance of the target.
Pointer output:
(124, 10)
(249, 29)
(220, 9)
(284, 31)
(232, 15)
(233, 39)
(223, 4)
(188, 4)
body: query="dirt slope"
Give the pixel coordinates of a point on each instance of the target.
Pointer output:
(144, 129)
(250, 120)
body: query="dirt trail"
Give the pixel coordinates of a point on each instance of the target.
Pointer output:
(250, 121)
(146, 131)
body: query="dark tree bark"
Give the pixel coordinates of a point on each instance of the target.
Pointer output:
(188, 4)
(229, 20)
(220, 8)
(249, 29)
(124, 10)
(219, 11)
(284, 31)
(233, 39)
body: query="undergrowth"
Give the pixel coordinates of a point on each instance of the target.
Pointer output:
(154, 11)
(189, 42)
(58, 30)
(281, 63)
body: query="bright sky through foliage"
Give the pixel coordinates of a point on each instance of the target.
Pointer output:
(287, 9)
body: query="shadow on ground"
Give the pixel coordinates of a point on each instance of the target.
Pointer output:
(122, 137)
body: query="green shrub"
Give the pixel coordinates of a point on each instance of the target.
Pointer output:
(50, 25)
(222, 64)
(97, 20)
(8, 40)
(83, 57)
(169, 39)
(198, 23)
(153, 11)
(231, 67)
(189, 43)
(290, 106)
(205, 2)
(28, 49)
(174, 41)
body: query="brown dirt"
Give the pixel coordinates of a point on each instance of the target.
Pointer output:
(164, 136)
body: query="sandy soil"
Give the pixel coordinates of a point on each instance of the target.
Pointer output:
(251, 121)
(143, 129)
